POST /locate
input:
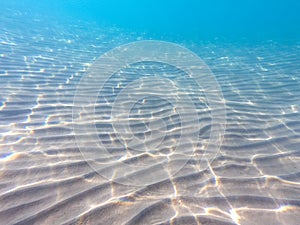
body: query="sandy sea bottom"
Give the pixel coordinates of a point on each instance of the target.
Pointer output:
(45, 179)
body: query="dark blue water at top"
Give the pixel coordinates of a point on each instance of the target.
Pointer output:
(198, 20)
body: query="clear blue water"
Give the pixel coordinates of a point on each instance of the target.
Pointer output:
(202, 125)
(192, 20)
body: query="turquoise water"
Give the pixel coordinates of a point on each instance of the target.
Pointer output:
(139, 112)
(191, 20)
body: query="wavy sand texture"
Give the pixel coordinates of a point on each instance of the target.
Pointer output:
(44, 178)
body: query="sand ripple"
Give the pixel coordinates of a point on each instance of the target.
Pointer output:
(44, 179)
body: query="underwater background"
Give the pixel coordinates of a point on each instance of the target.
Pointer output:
(252, 48)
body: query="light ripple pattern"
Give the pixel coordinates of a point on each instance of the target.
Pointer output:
(44, 179)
